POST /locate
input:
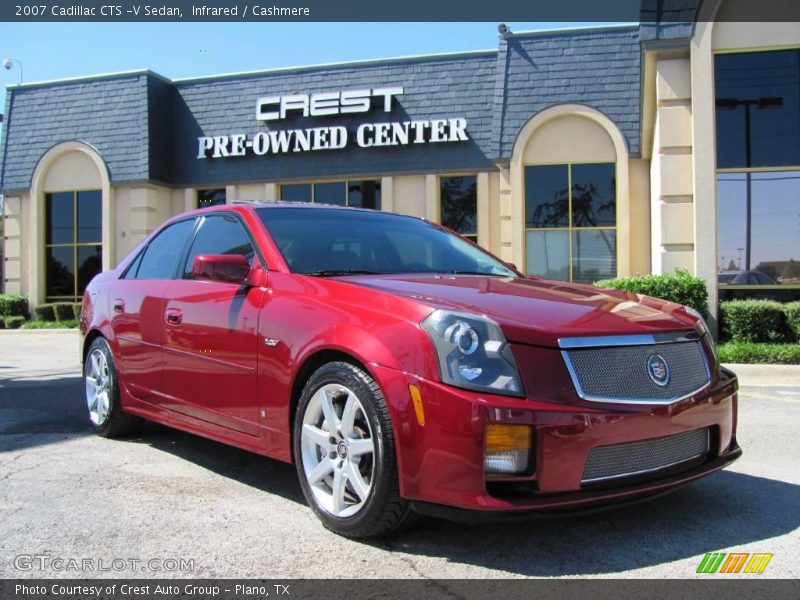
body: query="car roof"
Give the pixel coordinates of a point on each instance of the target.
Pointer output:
(287, 204)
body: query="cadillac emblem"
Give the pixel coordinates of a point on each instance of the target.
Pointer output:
(658, 369)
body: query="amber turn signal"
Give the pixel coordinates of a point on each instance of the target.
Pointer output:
(508, 449)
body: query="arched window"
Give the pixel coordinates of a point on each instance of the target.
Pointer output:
(570, 174)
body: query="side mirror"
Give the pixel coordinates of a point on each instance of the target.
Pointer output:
(511, 266)
(227, 268)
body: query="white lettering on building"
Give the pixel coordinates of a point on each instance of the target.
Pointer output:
(323, 104)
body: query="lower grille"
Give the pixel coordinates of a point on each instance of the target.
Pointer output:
(644, 456)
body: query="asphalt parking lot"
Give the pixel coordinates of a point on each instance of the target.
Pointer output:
(166, 496)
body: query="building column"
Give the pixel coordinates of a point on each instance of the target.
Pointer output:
(483, 210)
(672, 182)
(705, 164)
(230, 194)
(509, 251)
(12, 254)
(432, 212)
(387, 194)
(189, 199)
(143, 214)
(270, 192)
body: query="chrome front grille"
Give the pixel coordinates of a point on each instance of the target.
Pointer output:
(615, 369)
(645, 456)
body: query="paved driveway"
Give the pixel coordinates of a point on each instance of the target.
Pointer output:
(166, 496)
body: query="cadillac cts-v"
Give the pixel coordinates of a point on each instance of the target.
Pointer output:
(402, 368)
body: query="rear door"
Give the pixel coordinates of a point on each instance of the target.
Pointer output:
(137, 308)
(211, 339)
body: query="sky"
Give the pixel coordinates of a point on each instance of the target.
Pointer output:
(176, 50)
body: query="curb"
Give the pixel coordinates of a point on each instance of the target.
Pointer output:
(11, 332)
(766, 375)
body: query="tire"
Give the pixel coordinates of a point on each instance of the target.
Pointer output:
(356, 456)
(101, 393)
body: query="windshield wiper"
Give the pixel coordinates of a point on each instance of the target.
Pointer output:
(335, 272)
(475, 273)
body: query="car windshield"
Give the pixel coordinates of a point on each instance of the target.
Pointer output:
(330, 242)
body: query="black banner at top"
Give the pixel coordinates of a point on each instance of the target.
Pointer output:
(646, 11)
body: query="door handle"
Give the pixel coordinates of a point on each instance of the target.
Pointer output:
(119, 305)
(174, 316)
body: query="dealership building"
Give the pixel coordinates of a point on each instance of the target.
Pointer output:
(576, 154)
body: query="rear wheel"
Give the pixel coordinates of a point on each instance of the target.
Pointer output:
(345, 454)
(101, 390)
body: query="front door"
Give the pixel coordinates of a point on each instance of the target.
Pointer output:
(211, 339)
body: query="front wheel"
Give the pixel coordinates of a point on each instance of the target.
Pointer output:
(345, 454)
(101, 391)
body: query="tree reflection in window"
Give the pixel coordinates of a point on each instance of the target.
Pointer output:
(73, 242)
(459, 205)
(577, 199)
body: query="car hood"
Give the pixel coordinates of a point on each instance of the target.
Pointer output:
(536, 311)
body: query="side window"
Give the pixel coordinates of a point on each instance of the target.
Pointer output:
(219, 234)
(134, 267)
(164, 251)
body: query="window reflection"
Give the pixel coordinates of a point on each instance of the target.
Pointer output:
(459, 204)
(359, 194)
(758, 154)
(571, 218)
(73, 248)
(773, 245)
(758, 109)
(211, 197)
(331, 193)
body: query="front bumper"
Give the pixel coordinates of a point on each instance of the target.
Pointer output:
(441, 463)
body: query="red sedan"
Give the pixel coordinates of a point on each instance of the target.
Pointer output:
(402, 368)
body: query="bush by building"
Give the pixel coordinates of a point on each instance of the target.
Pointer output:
(754, 321)
(679, 287)
(792, 312)
(14, 322)
(12, 305)
(44, 312)
(64, 311)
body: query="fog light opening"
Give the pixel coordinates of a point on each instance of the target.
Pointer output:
(508, 449)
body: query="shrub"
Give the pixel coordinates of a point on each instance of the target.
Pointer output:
(14, 322)
(792, 312)
(753, 321)
(44, 312)
(63, 311)
(51, 325)
(752, 353)
(76, 310)
(2, 323)
(12, 305)
(679, 287)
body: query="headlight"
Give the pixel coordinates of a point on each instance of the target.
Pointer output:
(702, 328)
(701, 324)
(473, 353)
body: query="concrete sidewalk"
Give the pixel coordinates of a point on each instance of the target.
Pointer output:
(767, 375)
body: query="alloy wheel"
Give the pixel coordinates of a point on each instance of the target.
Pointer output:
(338, 450)
(98, 387)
